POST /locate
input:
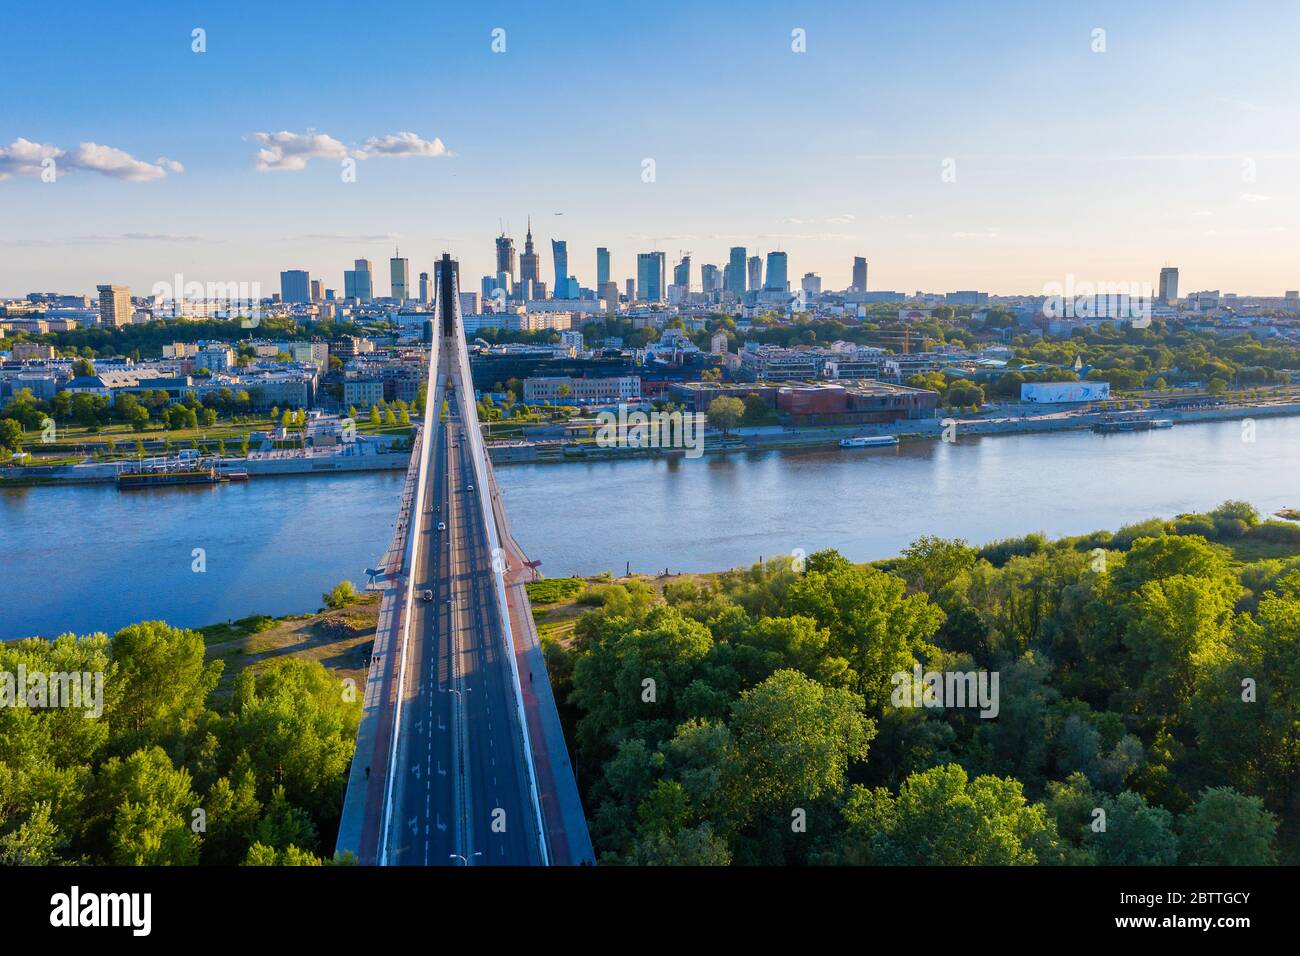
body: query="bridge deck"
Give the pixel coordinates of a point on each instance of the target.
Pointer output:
(460, 755)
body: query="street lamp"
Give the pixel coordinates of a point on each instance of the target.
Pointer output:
(457, 856)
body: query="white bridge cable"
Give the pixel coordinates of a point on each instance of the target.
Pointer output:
(423, 448)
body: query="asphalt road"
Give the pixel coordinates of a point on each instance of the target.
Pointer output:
(460, 787)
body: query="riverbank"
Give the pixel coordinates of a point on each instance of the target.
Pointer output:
(775, 437)
(339, 638)
(261, 465)
(762, 438)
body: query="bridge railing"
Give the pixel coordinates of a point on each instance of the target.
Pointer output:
(424, 449)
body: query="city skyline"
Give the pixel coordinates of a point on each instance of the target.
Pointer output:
(232, 170)
(756, 276)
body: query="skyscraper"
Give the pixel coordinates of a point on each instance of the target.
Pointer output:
(651, 268)
(733, 275)
(710, 278)
(115, 305)
(776, 272)
(859, 275)
(317, 290)
(506, 256)
(424, 287)
(609, 292)
(812, 283)
(1168, 285)
(530, 267)
(560, 251)
(682, 274)
(755, 273)
(602, 266)
(359, 281)
(295, 286)
(399, 271)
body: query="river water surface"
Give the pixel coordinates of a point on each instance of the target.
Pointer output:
(91, 558)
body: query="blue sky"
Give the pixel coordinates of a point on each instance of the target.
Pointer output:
(1177, 145)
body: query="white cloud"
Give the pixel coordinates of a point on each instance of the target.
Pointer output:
(809, 236)
(672, 237)
(115, 163)
(289, 152)
(158, 237)
(96, 240)
(345, 237)
(285, 151)
(841, 220)
(403, 144)
(23, 158)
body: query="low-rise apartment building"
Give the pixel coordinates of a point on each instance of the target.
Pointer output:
(581, 391)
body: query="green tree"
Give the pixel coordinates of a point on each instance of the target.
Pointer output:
(1177, 627)
(1135, 835)
(794, 741)
(341, 595)
(874, 625)
(139, 418)
(932, 381)
(693, 846)
(35, 842)
(941, 817)
(148, 803)
(1242, 511)
(930, 562)
(11, 435)
(725, 413)
(1226, 828)
(1246, 709)
(233, 811)
(298, 728)
(164, 679)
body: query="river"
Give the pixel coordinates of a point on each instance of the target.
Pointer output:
(93, 558)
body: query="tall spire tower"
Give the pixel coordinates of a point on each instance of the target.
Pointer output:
(530, 266)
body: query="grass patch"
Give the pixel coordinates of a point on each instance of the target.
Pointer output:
(340, 639)
(1249, 549)
(230, 630)
(555, 590)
